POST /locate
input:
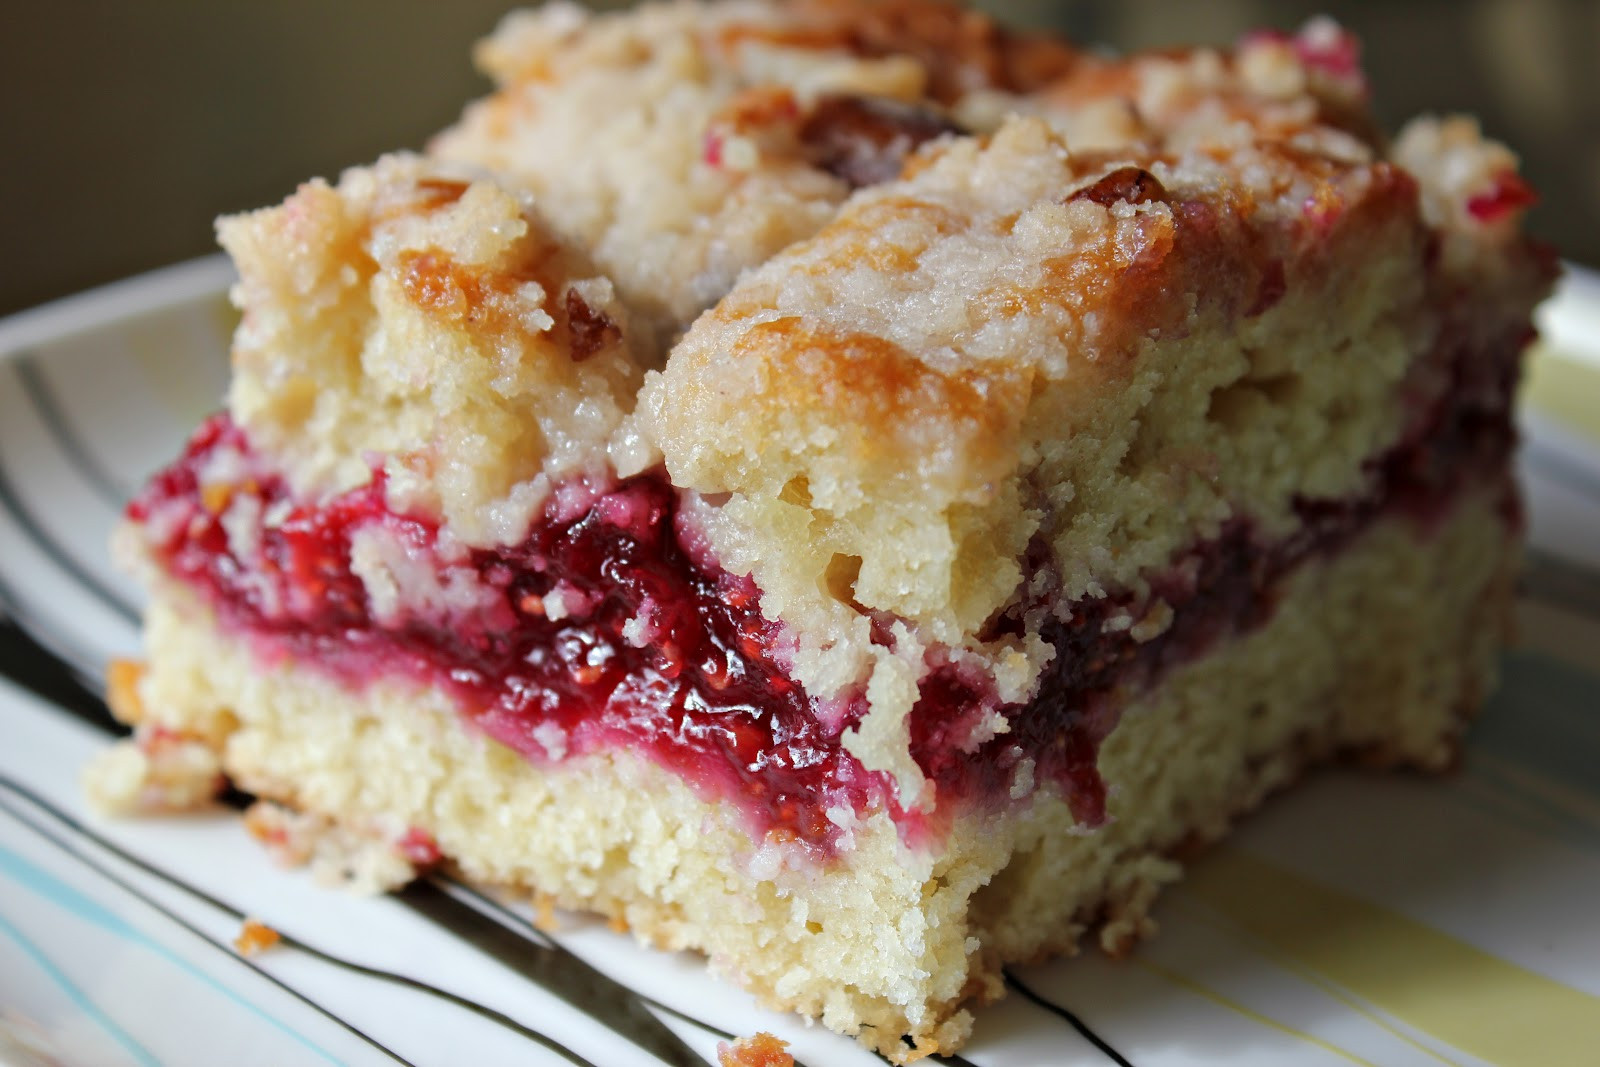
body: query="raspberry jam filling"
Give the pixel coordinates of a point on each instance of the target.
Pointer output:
(596, 630)
(600, 629)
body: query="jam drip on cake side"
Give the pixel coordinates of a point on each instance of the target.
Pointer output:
(600, 629)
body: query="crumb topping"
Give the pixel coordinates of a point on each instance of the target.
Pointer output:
(433, 321)
(705, 137)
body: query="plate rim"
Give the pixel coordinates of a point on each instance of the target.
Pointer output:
(106, 305)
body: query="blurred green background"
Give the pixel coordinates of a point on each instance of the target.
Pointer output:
(128, 126)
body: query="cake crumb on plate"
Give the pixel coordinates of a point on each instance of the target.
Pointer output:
(256, 937)
(758, 1050)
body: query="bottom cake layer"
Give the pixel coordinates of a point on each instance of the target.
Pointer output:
(1383, 649)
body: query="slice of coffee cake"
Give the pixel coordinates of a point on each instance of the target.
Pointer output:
(1071, 452)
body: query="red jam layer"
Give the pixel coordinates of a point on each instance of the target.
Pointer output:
(597, 630)
(600, 629)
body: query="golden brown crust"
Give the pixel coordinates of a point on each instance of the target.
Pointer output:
(881, 407)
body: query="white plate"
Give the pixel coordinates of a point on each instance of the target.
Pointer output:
(1359, 919)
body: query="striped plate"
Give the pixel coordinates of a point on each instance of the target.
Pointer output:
(1361, 919)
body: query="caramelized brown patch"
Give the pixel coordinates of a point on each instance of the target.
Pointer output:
(1132, 184)
(865, 140)
(439, 284)
(1148, 275)
(767, 114)
(435, 193)
(1094, 78)
(1125, 273)
(589, 331)
(885, 403)
(961, 50)
(476, 297)
(428, 195)
(756, 106)
(868, 236)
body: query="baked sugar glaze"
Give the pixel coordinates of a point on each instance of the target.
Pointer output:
(600, 629)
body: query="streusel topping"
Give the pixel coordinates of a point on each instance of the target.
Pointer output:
(682, 143)
(424, 314)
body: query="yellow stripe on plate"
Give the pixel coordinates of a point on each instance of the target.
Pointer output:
(1215, 997)
(1459, 994)
(1564, 388)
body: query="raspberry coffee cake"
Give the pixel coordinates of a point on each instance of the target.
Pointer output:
(849, 490)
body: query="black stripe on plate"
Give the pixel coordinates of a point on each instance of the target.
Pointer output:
(951, 1058)
(77, 827)
(64, 649)
(47, 675)
(524, 927)
(1072, 1020)
(558, 971)
(73, 446)
(29, 525)
(105, 872)
(553, 969)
